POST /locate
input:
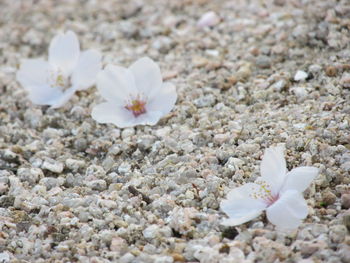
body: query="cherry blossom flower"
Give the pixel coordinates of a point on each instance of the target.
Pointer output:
(277, 191)
(67, 70)
(134, 95)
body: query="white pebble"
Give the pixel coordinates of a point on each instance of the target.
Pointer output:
(279, 85)
(150, 232)
(208, 19)
(300, 93)
(300, 75)
(53, 166)
(4, 257)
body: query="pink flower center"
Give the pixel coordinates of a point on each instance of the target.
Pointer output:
(58, 80)
(265, 194)
(271, 199)
(137, 107)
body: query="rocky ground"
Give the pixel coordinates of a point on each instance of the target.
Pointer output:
(72, 190)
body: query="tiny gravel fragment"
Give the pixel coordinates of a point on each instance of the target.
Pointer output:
(300, 75)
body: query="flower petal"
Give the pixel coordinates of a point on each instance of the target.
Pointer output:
(300, 178)
(149, 118)
(148, 78)
(116, 84)
(165, 100)
(85, 73)
(60, 101)
(273, 168)
(33, 72)
(42, 95)
(47, 95)
(110, 113)
(64, 52)
(240, 206)
(288, 211)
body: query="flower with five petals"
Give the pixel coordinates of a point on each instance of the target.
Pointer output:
(277, 191)
(134, 95)
(67, 70)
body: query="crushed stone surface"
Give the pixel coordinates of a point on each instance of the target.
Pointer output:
(263, 73)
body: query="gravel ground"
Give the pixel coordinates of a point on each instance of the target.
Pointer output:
(72, 190)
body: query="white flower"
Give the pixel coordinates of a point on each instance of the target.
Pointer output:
(53, 82)
(277, 191)
(135, 95)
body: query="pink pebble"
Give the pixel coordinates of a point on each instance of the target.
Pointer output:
(208, 19)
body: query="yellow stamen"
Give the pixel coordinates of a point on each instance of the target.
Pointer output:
(60, 81)
(264, 193)
(137, 107)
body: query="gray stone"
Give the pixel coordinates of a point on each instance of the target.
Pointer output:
(263, 62)
(80, 144)
(98, 185)
(30, 175)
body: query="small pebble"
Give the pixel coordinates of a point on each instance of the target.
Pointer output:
(346, 220)
(328, 198)
(4, 257)
(52, 166)
(99, 185)
(279, 85)
(331, 71)
(345, 80)
(300, 75)
(80, 144)
(345, 201)
(263, 62)
(208, 19)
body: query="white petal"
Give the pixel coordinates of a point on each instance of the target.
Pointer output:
(165, 100)
(241, 218)
(33, 72)
(148, 79)
(273, 168)
(111, 113)
(149, 118)
(85, 73)
(288, 211)
(47, 95)
(299, 178)
(44, 94)
(60, 101)
(64, 52)
(116, 84)
(240, 206)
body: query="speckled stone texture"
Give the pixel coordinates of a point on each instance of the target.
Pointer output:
(267, 73)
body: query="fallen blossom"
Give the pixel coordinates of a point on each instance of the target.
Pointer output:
(67, 70)
(277, 191)
(134, 95)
